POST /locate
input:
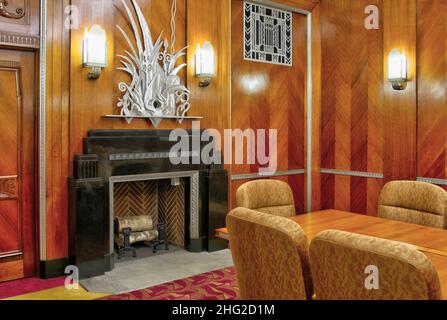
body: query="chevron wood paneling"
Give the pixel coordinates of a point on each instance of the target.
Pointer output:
(160, 200)
(400, 31)
(351, 105)
(267, 96)
(139, 198)
(432, 90)
(171, 203)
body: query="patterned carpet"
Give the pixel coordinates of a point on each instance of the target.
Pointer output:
(215, 285)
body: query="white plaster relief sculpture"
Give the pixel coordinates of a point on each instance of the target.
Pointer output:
(155, 91)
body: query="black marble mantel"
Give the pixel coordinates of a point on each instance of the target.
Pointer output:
(111, 154)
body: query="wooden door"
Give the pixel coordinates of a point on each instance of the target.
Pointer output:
(271, 96)
(17, 164)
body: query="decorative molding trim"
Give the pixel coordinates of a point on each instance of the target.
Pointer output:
(12, 254)
(353, 174)
(194, 194)
(240, 177)
(152, 155)
(42, 131)
(440, 182)
(19, 40)
(10, 64)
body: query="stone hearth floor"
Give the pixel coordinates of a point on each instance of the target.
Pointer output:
(151, 270)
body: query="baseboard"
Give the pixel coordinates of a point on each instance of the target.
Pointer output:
(53, 268)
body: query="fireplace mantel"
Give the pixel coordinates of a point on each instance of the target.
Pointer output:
(113, 156)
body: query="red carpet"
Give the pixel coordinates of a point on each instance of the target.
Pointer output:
(20, 287)
(216, 285)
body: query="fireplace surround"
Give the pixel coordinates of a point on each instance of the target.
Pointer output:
(111, 157)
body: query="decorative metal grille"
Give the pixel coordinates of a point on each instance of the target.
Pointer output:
(268, 34)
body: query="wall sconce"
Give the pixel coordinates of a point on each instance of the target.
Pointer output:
(205, 64)
(397, 69)
(94, 52)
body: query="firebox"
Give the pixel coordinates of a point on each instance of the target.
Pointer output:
(131, 173)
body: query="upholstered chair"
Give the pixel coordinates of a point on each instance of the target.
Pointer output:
(271, 256)
(414, 202)
(347, 266)
(268, 196)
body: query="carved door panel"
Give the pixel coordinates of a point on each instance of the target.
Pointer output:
(17, 165)
(19, 23)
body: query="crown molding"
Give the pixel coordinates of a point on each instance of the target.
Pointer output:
(19, 40)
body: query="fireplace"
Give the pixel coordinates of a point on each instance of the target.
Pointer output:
(163, 200)
(126, 173)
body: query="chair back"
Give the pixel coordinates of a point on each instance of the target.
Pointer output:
(270, 254)
(414, 202)
(347, 266)
(268, 196)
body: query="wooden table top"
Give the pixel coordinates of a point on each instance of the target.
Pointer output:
(432, 242)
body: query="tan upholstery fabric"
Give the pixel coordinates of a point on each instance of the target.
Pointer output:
(268, 196)
(271, 256)
(339, 260)
(414, 202)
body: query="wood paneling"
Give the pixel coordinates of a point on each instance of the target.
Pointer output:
(209, 20)
(267, 96)
(57, 130)
(76, 104)
(17, 170)
(351, 104)
(432, 90)
(308, 5)
(401, 106)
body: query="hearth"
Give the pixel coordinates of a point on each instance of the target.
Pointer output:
(119, 167)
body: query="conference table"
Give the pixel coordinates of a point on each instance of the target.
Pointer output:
(430, 241)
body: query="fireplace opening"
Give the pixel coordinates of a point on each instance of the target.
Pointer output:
(162, 200)
(161, 208)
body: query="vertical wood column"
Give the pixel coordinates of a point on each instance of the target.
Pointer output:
(400, 26)
(57, 131)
